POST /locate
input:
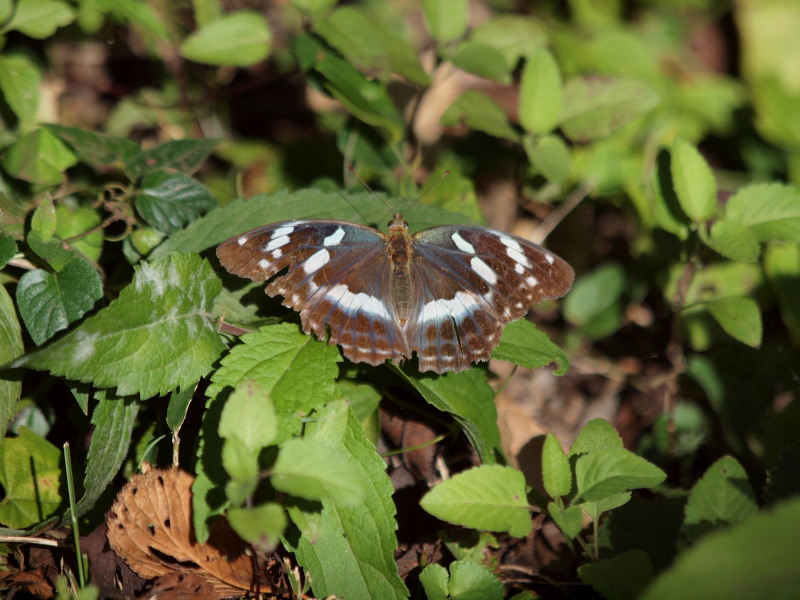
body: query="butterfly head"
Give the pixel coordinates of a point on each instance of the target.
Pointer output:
(398, 223)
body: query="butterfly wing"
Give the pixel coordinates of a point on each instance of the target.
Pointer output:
(337, 275)
(472, 281)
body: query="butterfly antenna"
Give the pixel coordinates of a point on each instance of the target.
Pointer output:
(367, 187)
(426, 190)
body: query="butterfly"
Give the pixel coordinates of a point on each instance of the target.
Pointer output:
(444, 293)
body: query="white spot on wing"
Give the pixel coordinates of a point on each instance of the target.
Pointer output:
(360, 302)
(519, 268)
(264, 263)
(277, 254)
(483, 270)
(282, 231)
(276, 242)
(532, 281)
(335, 238)
(549, 258)
(316, 261)
(462, 244)
(457, 307)
(514, 250)
(242, 240)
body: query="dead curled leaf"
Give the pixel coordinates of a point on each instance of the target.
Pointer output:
(151, 530)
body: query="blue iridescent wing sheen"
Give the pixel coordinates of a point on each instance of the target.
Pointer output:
(337, 277)
(470, 282)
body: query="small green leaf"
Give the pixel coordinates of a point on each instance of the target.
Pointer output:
(549, 155)
(30, 477)
(11, 347)
(694, 182)
(8, 248)
(593, 296)
(38, 157)
(481, 60)
(540, 95)
(569, 520)
(739, 317)
(249, 415)
(261, 526)
(54, 252)
(96, 149)
(434, 579)
(723, 496)
(491, 497)
(447, 20)
(602, 473)
(169, 201)
(43, 221)
(241, 463)
(49, 302)
(733, 241)
(781, 266)
(595, 107)
(20, 81)
(470, 581)
(80, 225)
(622, 577)
(156, 336)
(238, 39)
(556, 474)
(477, 111)
(179, 401)
(314, 6)
(525, 345)
(515, 36)
(313, 470)
(184, 156)
(771, 211)
(597, 434)
(40, 18)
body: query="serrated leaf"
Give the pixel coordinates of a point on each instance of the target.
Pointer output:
(96, 149)
(594, 107)
(313, 470)
(20, 81)
(349, 552)
(622, 577)
(169, 201)
(447, 20)
(184, 156)
(261, 525)
(540, 94)
(249, 416)
(54, 252)
(569, 520)
(238, 39)
(11, 347)
(49, 302)
(525, 345)
(694, 182)
(770, 211)
(481, 60)
(556, 474)
(477, 111)
(156, 336)
(739, 317)
(470, 581)
(733, 241)
(490, 497)
(755, 558)
(30, 476)
(597, 434)
(40, 18)
(469, 398)
(38, 157)
(434, 578)
(722, 496)
(610, 471)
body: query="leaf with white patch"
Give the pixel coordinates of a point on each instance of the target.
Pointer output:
(156, 336)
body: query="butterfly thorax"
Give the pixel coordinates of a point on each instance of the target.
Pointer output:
(398, 244)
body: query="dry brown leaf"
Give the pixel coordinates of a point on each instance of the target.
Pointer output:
(151, 530)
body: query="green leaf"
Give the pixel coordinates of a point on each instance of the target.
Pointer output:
(525, 345)
(44, 219)
(169, 201)
(540, 94)
(609, 471)
(469, 398)
(38, 157)
(490, 497)
(11, 347)
(569, 520)
(96, 149)
(349, 551)
(49, 302)
(314, 470)
(241, 463)
(733, 241)
(314, 6)
(549, 155)
(739, 317)
(79, 224)
(238, 39)
(293, 368)
(249, 415)
(30, 477)
(771, 211)
(694, 182)
(40, 18)
(261, 526)
(8, 248)
(597, 434)
(721, 497)
(622, 577)
(595, 107)
(756, 558)
(447, 20)
(556, 474)
(54, 252)
(184, 156)
(595, 302)
(782, 266)
(20, 81)
(514, 35)
(477, 111)
(434, 579)
(138, 14)
(156, 336)
(178, 406)
(113, 419)
(481, 60)
(471, 581)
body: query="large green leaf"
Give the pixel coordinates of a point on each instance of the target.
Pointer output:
(238, 39)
